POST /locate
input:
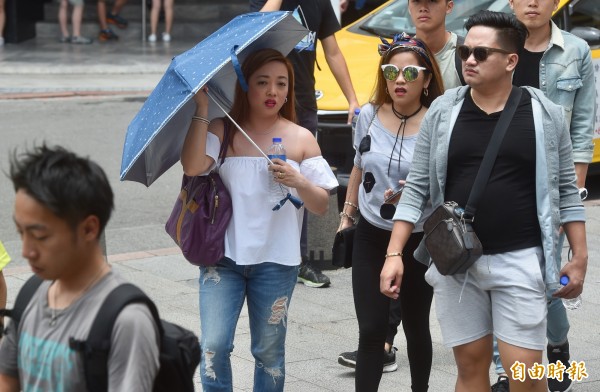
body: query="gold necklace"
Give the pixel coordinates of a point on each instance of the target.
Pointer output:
(54, 313)
(480, 108)
(475, 102)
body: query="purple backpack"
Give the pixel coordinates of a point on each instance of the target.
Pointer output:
(201, 215)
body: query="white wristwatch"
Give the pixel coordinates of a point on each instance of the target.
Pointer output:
(583, 193)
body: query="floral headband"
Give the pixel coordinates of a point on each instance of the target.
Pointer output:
(403, 40)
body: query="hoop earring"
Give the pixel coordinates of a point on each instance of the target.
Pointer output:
(386, 91)
(285, 100)
(425, 92)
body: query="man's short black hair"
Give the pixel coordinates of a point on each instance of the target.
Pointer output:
(72, 187)
(512, 33)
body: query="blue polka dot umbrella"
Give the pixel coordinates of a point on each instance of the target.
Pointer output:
(155, 136)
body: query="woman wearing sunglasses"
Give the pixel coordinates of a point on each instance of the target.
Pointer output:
(408, 80)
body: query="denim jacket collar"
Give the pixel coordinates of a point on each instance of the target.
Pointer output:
(556, 37)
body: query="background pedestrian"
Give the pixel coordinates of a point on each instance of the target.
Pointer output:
(167, 5)
(76, 18)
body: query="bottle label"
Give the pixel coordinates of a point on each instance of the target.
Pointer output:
(273, 156)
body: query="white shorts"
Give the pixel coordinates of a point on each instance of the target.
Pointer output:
(503, 294)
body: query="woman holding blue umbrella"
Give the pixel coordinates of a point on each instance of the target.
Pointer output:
(262, 246)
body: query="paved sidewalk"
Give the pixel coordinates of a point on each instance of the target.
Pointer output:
(45, 67)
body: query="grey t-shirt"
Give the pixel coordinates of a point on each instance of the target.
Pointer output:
(374, 164)
(40, 357)
(447, 63)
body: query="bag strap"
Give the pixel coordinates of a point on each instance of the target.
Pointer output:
(95, 349)
(457, 61)
(23, 299)
(225, 144)
(491, 152)
(375, 111)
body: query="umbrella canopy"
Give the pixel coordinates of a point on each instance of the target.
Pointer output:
(155, 136)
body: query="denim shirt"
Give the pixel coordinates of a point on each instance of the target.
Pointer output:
(567, 79)
(557, 196)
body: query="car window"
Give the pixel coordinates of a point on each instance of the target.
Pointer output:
(586, 13)
(395, 17)
(583, 20)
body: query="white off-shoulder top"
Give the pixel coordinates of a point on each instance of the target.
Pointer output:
(256, 234)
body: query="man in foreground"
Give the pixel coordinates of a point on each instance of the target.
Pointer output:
(530, 193)
(62, 205)
(560, 64)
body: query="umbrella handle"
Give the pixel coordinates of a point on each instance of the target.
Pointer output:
(240, 129)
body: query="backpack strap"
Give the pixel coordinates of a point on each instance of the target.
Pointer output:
(96, 347)
(457, 61)
(23, 299)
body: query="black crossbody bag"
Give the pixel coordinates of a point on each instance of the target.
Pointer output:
(449, 235)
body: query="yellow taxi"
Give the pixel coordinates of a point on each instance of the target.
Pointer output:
(358, 41)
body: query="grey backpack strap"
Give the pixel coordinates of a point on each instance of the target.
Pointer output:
(460, 40)
(23, 299)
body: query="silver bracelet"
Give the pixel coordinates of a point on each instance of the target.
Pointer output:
(345, 215)
(201, 119)
(349, 203)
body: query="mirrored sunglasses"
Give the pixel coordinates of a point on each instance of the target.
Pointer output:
(410, 73)
(480, 53)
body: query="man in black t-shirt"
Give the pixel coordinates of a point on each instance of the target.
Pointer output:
(322, 23)
(530, 192)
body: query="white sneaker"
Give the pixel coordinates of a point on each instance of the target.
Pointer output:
(166, 37)
(152, 38)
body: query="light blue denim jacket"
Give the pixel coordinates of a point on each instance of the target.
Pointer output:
(557, 197)
(567, 78)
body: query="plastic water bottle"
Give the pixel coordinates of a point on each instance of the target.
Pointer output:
(354, 121)
(571, 303)
(276, 193)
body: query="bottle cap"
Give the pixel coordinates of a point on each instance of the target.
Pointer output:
(357, 111)
(564, 280)
(276, 140)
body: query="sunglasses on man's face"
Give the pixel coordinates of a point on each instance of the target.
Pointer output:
(410, 73)
(481, 53)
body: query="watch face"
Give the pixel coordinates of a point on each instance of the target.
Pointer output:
(583, 193)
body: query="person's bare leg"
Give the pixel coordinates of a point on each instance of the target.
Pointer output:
(2, 17)
(154, 13)
(473, 362)
(62, 17)
(119, 4)
(102, 15)
(76, 19)
(169, 15)
(510, 355)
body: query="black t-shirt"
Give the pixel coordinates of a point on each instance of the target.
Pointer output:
(322, 23)
(527, 72)
(506, 217)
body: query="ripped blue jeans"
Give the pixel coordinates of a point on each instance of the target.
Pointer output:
(268, 287)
